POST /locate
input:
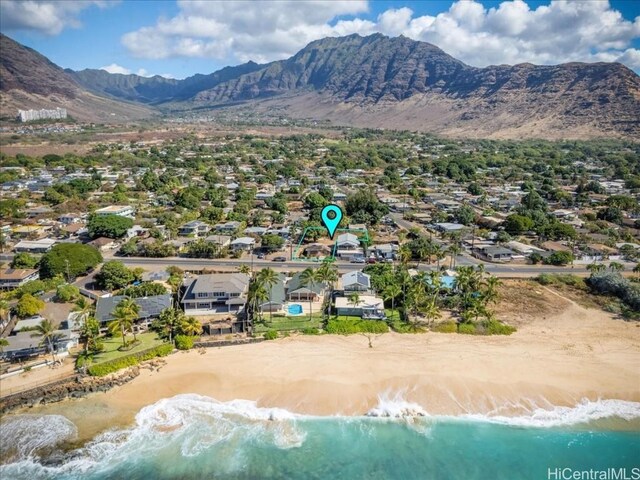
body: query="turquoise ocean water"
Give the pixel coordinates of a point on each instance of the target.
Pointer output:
(190, 436)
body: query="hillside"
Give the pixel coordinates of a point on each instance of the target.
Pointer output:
(378, 81)
(30, 80)
(155, 89)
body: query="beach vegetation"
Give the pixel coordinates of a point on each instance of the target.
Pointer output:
(270, 335)
(351, 325)
(467, 328)
(110, 366)
(445, 327)
(184, 342)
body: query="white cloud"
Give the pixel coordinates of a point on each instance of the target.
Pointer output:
(45, 16)
(141, 72)
(561, 31)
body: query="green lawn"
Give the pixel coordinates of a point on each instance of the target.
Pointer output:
(289, 323)
(111, 352)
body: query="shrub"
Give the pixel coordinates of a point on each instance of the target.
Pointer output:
(105, 368)
(497, 328)
(184, 342)
(559, 258)
(349, 326)
(560, 279)
(271, 335)
(612, 283)
(467, 328)
(311, 331)
(445, 327)
(67, 293)
(404, 327)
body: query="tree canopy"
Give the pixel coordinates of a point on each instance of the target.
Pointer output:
(111, 226)
(69, 259)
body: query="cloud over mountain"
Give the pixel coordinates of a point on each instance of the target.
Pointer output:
(511, 33)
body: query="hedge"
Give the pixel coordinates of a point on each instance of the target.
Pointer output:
(348, 326)
(184, 342)
(467, 328)
(105, 368)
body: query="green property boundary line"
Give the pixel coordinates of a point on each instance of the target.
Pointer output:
(296, 258)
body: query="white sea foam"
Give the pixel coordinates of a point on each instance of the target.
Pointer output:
(395, 406)
(547, 415)
(24, 435)
(584, 412)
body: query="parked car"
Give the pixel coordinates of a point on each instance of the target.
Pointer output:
(372, 260)
(279, 259)
(261, 256)
(358, 260)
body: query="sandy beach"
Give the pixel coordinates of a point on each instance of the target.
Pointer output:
(560, 359)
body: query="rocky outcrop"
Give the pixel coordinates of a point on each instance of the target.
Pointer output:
(73, 387)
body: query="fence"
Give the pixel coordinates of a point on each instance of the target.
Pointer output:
(6, 392)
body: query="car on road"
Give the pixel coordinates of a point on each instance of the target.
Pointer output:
(279, 259)
(261, 256)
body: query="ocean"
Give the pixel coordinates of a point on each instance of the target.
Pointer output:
(196, 437)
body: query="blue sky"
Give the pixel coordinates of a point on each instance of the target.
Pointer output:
(181, 38)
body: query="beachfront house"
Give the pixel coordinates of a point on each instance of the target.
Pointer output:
(367, 306)
(298, 292)
(214, 293)
(150, 307)
(276, 296)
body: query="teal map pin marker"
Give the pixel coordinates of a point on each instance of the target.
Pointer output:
(331, 216)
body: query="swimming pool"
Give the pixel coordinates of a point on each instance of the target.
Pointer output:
(294, 309)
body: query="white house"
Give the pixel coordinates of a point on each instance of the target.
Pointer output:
(120, 210)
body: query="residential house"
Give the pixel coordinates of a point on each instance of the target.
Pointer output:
(228, 228)
(316, 250)
(277, 298)
(243, 244)
(69, 218)
(494, 253)
(195, 228)
(368, 306)
(219, 241)
(150, 307)
(103, 244)
(356, 281)
(34, 246)
(11, 278)
(215, 293)
(447, 227)
(385, 251)
(297, 291)
(120, 210)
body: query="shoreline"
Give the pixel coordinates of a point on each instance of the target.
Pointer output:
(553, 361)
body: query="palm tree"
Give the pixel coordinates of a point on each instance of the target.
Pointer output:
(244, 269)
(595, 267)
(454, 250)
(257, 295)
(616, 267)
(125, 316)
(84, 308)
(354, 299)
(309, 278)
(328, 273)
(267, 277)
(190, 326)
(169, 321)
(491, 289)
(391, 292)
(431, 311)
(46, 330)
(404, 254)
(439, 253)
(89, 331)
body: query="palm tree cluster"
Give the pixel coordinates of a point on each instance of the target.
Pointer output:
(125, 315)
(172, 322)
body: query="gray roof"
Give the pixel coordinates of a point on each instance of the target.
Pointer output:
(348, 237)
(356, 277)
(296, 284)
(216, 282)
(244, 241)
(149, 306)
(276, 291)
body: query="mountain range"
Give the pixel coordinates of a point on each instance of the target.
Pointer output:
(373, 81)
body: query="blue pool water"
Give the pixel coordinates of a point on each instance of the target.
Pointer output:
(294, 309)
